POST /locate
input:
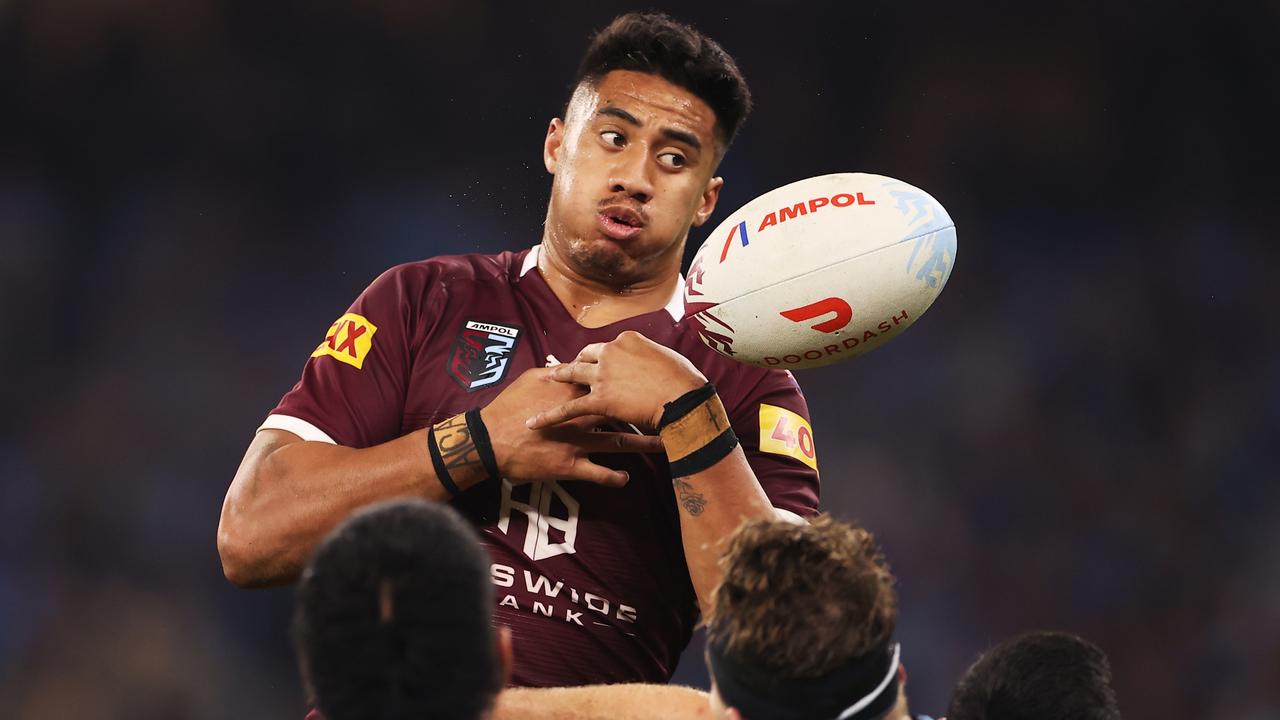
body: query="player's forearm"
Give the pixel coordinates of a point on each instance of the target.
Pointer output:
(288, 494)
(713, 504)
(714, 485)
(603, 702)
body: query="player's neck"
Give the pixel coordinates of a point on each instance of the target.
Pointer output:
(594, 304)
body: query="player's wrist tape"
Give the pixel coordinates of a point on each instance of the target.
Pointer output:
(695, 431)
(480, 436)
(705, 456)
(442, 472)
(685, 404)
(466, 448)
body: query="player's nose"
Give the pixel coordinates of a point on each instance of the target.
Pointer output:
(632, 174)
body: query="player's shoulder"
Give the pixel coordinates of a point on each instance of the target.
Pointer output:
(482, 268)
(733, 380)
(446, 279)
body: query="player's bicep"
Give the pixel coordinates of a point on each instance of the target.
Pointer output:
(778, 440)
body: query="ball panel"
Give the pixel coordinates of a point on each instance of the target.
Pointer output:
(836, 312)
(806, 225)
(820, 270)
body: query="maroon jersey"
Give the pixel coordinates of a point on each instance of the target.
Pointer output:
(591, 580)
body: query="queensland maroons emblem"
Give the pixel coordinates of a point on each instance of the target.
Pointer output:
(482, 353)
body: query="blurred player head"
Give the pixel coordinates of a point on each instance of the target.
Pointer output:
(1040, 675)
(392, 618)
(655, 105)
(802, 626)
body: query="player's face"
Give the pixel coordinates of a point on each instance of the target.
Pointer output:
(633, 162)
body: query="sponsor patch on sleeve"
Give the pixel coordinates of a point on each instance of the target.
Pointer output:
(783, 432)
(348, 340)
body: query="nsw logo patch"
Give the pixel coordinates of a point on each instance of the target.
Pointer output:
(482, 353)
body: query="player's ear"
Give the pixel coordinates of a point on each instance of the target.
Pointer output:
(551, 146)
(505, 654)
(710, 195)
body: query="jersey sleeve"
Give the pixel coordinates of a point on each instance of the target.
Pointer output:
(772, 424)
(353, 387)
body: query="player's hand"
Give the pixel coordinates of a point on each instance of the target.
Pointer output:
(559, 453)
(630, 379)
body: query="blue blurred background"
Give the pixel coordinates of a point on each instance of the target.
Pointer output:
(1082, 434)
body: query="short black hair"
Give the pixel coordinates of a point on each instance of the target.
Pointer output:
(654, 43)
(393, 618)
(1040, 675)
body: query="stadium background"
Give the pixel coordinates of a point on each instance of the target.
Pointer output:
(1082, 434)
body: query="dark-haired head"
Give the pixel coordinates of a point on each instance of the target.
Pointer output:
(654, 106)
(392, 618)
(1040, 676)
(655, 44)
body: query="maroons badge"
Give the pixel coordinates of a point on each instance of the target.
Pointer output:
(482, 353)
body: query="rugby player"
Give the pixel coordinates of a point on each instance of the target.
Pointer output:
(444, 381)
(801, 629)
(392, 618)
(1040, 675)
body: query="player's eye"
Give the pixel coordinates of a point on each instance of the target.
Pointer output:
(613, 137)
(672, 159)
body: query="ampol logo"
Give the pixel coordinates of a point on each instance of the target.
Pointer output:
(791, 212)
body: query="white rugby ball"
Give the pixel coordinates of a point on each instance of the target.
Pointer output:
(819, 271)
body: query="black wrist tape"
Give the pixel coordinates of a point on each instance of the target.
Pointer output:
(705, 456)
(442, 472)
(480, 437)
(685, 404)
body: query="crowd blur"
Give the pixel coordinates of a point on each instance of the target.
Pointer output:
(1083, 433)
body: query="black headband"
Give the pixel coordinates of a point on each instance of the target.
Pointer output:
(861, 689)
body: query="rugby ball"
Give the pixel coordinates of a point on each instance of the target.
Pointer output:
(820, 271)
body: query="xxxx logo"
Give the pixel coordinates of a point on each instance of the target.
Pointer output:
(839, 310)
(349, 340)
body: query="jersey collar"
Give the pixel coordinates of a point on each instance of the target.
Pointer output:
(674, 308)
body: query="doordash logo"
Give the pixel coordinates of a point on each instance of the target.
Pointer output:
(840, 311)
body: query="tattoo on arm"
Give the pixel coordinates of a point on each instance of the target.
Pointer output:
(457, 449)
(692, 501)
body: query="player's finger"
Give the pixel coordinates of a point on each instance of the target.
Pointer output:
(584, 469)
(590, 353)
(616, 442)
(581, 373)
(578, 407)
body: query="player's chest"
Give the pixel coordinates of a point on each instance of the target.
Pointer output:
(472, 355)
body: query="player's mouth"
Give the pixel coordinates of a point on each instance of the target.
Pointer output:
(620, 222)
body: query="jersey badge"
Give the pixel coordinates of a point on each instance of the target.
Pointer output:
(349, 340)
(482, 353)
(783, 432)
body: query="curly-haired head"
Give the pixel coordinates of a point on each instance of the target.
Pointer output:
(802, 599)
